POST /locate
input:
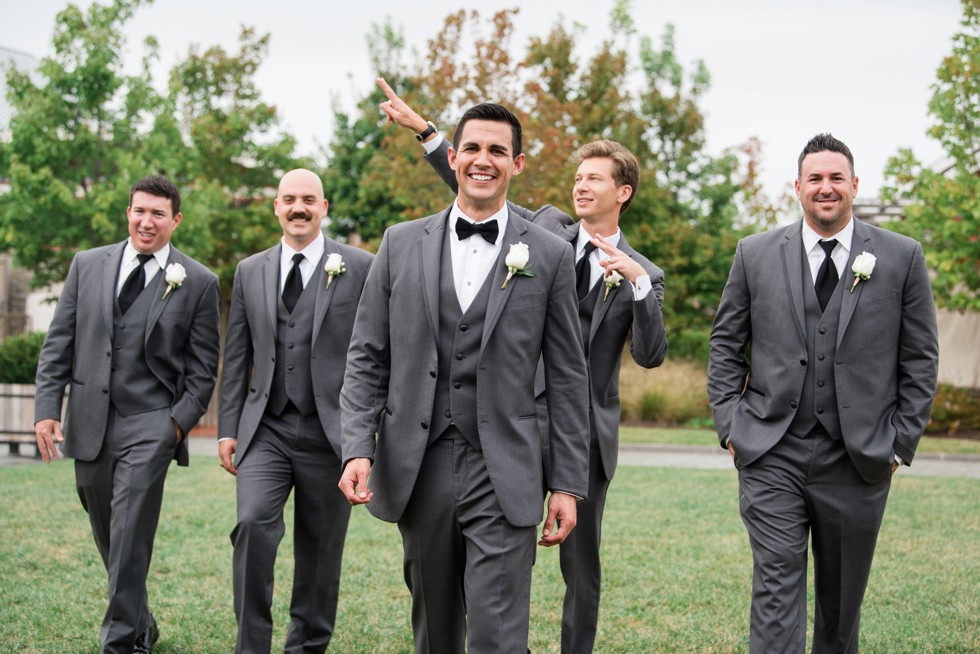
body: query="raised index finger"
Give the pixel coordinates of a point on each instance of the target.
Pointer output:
(387, 89)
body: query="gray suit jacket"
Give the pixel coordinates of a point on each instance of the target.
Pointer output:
(396, 331)
(613, 322)
(181, 348)
(886, 357)
(250, 344)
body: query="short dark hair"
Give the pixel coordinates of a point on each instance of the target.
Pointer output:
(626, 169)
(495, 113)
(825, 143)
(159, 186)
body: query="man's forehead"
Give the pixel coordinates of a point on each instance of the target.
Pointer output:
(486, 131)
(825, 161)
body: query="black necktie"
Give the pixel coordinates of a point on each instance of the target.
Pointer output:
(488, 230)
(583, 272)
(293, 287)
(827, 276)
(134, 284)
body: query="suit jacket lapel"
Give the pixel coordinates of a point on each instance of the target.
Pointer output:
(110, 271)
(861, 241)
(792, 253)
(155, 287)
(624, 288)
(270, 283)
(323, 294)
(515, 229)
(430, 263)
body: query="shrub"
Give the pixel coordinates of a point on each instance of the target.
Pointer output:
(673, 394)
(18, 358)
(955, 410)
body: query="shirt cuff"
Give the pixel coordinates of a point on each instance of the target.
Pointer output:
(433, 143)
(641, 287)
(899, 460)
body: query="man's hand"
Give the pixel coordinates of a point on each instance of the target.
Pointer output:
(562, 516)
(48, 432)
(179, 432)
(226, 454)
(398, 112)
(354, 481)
(618, 261)
(895, 466)
(731, 448)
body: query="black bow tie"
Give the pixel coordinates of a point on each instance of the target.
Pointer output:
(488, 230)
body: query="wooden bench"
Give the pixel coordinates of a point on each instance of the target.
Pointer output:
(17, 417)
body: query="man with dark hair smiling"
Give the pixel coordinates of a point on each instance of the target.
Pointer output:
(458, 309)
(135, 334)
(605, 184)
(839, 319)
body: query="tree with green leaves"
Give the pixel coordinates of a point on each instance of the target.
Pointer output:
(686, 215)
(86, 131)
(941, 206)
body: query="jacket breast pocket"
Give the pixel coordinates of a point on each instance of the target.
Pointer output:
(876, 304)
(525, 299)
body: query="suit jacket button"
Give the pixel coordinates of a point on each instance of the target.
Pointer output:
(425, 425)
(822, 330)
(463, 328)
(820, 357)
(105, 391)
(819, 411)
(448, 414)
(432, 373)
(457, 385)
(802, 362)
(793, 405)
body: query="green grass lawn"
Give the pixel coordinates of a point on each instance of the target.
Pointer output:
(677, 569)
(673, 436)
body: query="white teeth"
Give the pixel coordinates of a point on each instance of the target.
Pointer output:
(482, 178)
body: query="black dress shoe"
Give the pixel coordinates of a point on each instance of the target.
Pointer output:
(142, 645)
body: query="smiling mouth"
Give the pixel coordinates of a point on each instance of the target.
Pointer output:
(299, 218)
(481, 177)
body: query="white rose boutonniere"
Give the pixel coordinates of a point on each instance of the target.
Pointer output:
(334, 267)
(612, 281)
(864, 263)
(516, 262)
(174, 276)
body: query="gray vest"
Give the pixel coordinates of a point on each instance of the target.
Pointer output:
(133, 388)
(460, 335)
(818, 403)
(292, 379)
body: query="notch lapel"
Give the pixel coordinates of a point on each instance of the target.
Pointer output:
(110, 270)
(792, 253)
(158, 303)
(270, 283)
(323, 294)
(430, 264)
(515, 230)
(860, 241)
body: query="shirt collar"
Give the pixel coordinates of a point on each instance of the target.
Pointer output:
(313, 250)
(584, 237)
(844, 236)
(501, 218)
(161, 255)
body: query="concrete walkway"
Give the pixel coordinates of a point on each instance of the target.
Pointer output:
(653, 455)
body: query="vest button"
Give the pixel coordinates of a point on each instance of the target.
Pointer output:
(432, 373)
(820, 384)
(425, 425)
(820, 357)
(822, 330)
(793, 405)
(289, 367)
(448, 414)
(802, 362)
(819, 411)
(289, 346)
(459, 356)
(463, 328)
(457, 385)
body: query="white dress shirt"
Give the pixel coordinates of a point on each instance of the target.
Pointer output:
(815, 254)
(130, 262)
(312, 254)
(473, 258)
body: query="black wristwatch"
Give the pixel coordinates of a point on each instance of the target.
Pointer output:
(429, 131)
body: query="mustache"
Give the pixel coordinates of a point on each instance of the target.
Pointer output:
(828, 196)
(299, 216)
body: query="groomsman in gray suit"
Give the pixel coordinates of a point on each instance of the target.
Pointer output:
(456, 313)
(292, 312)
(605, 184)
(839, 319)
(135, 334)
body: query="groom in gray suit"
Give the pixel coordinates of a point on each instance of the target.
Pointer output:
(135, 334)
(456, 313)
(821, 377)
(292, 312)
(605, 184)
